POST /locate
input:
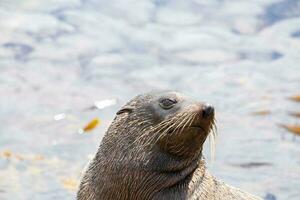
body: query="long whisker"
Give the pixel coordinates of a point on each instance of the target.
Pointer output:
(212, 141)
(174, 122)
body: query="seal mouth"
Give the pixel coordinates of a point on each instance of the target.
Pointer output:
(199, 128)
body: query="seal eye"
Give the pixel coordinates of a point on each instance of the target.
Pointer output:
(167, 103)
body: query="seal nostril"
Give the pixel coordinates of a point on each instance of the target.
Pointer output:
(207, 111)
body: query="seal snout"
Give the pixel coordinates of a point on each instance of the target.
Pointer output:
(207, 111)
(205, 117)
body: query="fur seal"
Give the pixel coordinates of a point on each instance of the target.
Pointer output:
(153, 150)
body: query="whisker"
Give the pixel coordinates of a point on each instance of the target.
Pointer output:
(187, 119)
(179, 124)
(212, 141)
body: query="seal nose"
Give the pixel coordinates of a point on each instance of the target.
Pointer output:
(207, 111)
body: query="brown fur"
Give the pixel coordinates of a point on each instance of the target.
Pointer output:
(153, 153)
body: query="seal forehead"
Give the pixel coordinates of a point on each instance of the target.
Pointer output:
(171, 94)
(152, 96)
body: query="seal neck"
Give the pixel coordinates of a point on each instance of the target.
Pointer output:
(178, 170)
(177, 182)
(166, 162)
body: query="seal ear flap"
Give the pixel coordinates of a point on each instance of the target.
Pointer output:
(126, 109)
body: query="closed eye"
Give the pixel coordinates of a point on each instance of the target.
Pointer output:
(167, 103)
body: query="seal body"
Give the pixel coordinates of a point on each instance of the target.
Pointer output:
(153, 150)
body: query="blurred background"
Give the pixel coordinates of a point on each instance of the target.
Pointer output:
(67, 63)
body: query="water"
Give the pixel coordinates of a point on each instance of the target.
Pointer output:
(59, 56)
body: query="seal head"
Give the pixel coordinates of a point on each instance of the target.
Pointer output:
(162, 124)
